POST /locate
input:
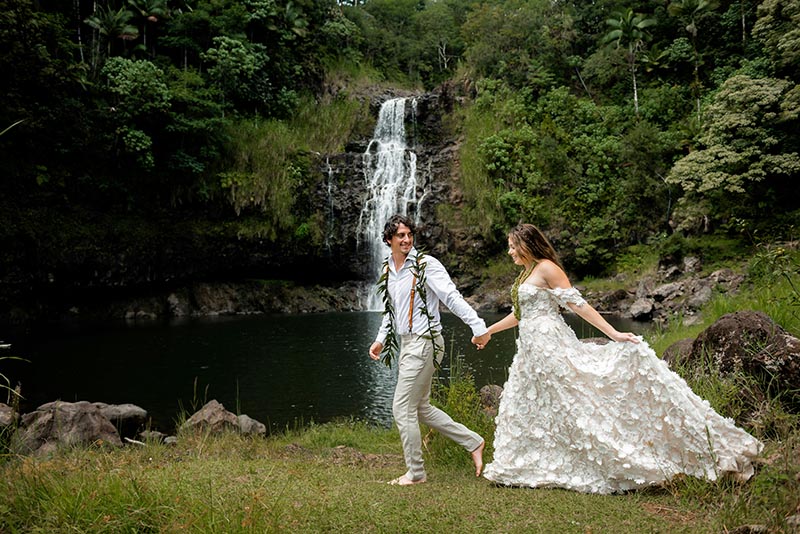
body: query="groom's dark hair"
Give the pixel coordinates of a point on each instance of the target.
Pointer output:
(394, 222)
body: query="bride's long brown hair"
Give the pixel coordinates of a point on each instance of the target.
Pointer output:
(532, 244)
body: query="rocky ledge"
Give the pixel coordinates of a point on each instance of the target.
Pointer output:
(673, 290)
(232, 298)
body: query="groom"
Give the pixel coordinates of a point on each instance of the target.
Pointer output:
(417, 328)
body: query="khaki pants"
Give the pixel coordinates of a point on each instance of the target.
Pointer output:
(412, 405)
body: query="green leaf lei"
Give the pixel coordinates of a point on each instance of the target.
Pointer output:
(515, 290)
(391, 347)
(422, 290)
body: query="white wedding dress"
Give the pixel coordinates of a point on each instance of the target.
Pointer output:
(602, 418)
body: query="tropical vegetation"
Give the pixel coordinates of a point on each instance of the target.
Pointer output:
(608, 123)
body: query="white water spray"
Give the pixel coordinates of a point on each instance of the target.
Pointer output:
(390, 170)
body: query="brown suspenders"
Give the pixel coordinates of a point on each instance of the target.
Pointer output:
(411, 305)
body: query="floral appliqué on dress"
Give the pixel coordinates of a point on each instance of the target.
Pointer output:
(602, 418)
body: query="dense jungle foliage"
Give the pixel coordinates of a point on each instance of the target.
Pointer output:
(609, 123)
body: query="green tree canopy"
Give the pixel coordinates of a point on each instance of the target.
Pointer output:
(749, 156)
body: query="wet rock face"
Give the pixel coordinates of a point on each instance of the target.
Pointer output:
(342, 190)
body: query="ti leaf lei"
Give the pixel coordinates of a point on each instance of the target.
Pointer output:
(391, 346)
(418, 268)
(515, 291)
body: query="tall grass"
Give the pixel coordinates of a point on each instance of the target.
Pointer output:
(479, 120)
(264, 173)
(271, 160)
(455, 393)
(326, 126)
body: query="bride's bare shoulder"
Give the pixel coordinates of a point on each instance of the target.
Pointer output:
(553, 274)
(548, 267)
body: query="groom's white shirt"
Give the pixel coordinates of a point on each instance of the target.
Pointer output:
(440, 288)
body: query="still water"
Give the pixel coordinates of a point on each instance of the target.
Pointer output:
(282, 370)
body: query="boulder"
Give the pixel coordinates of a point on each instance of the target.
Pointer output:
(492, 300)
(727, 277)
(645, 287)
(701, 293)
(490, 399)
(692, 264)
(678, 353)
(667, 291)
(641, 309)
(608, 301)
(8, 416)
(63, 424)
(249, 426)
(669, 272)
(212, 417)
(128, 418)
(178, 304)
(751, 342)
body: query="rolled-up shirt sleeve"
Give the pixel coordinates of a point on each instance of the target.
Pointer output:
(444, 288)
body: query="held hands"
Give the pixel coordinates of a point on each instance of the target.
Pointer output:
(375, 350)
(481, 341)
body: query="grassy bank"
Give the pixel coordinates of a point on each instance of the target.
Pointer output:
(331, 478)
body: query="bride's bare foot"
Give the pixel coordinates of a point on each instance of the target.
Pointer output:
(405, 481)
(477, 458)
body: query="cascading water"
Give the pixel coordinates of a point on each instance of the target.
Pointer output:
(330, 205)
(390, 170)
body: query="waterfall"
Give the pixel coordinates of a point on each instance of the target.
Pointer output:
(390, 170)
(330, 212)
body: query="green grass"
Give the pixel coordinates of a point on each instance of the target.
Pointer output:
(326, 479)
(270, 159)
(331, 478)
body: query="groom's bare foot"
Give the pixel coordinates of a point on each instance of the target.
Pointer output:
(405, 481)
(477, 458)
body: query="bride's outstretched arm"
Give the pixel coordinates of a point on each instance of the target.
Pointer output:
(556, 278)
(509, 321)
(591, 316)
(505, 323)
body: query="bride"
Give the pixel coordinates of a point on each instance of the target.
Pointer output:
(596, 418)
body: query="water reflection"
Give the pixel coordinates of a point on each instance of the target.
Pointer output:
(282, 370)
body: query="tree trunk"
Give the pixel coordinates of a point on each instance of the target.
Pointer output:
(635, 89)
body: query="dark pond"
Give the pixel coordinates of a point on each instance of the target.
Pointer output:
(283, 370)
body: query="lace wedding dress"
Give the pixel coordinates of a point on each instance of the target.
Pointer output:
(602, 418)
